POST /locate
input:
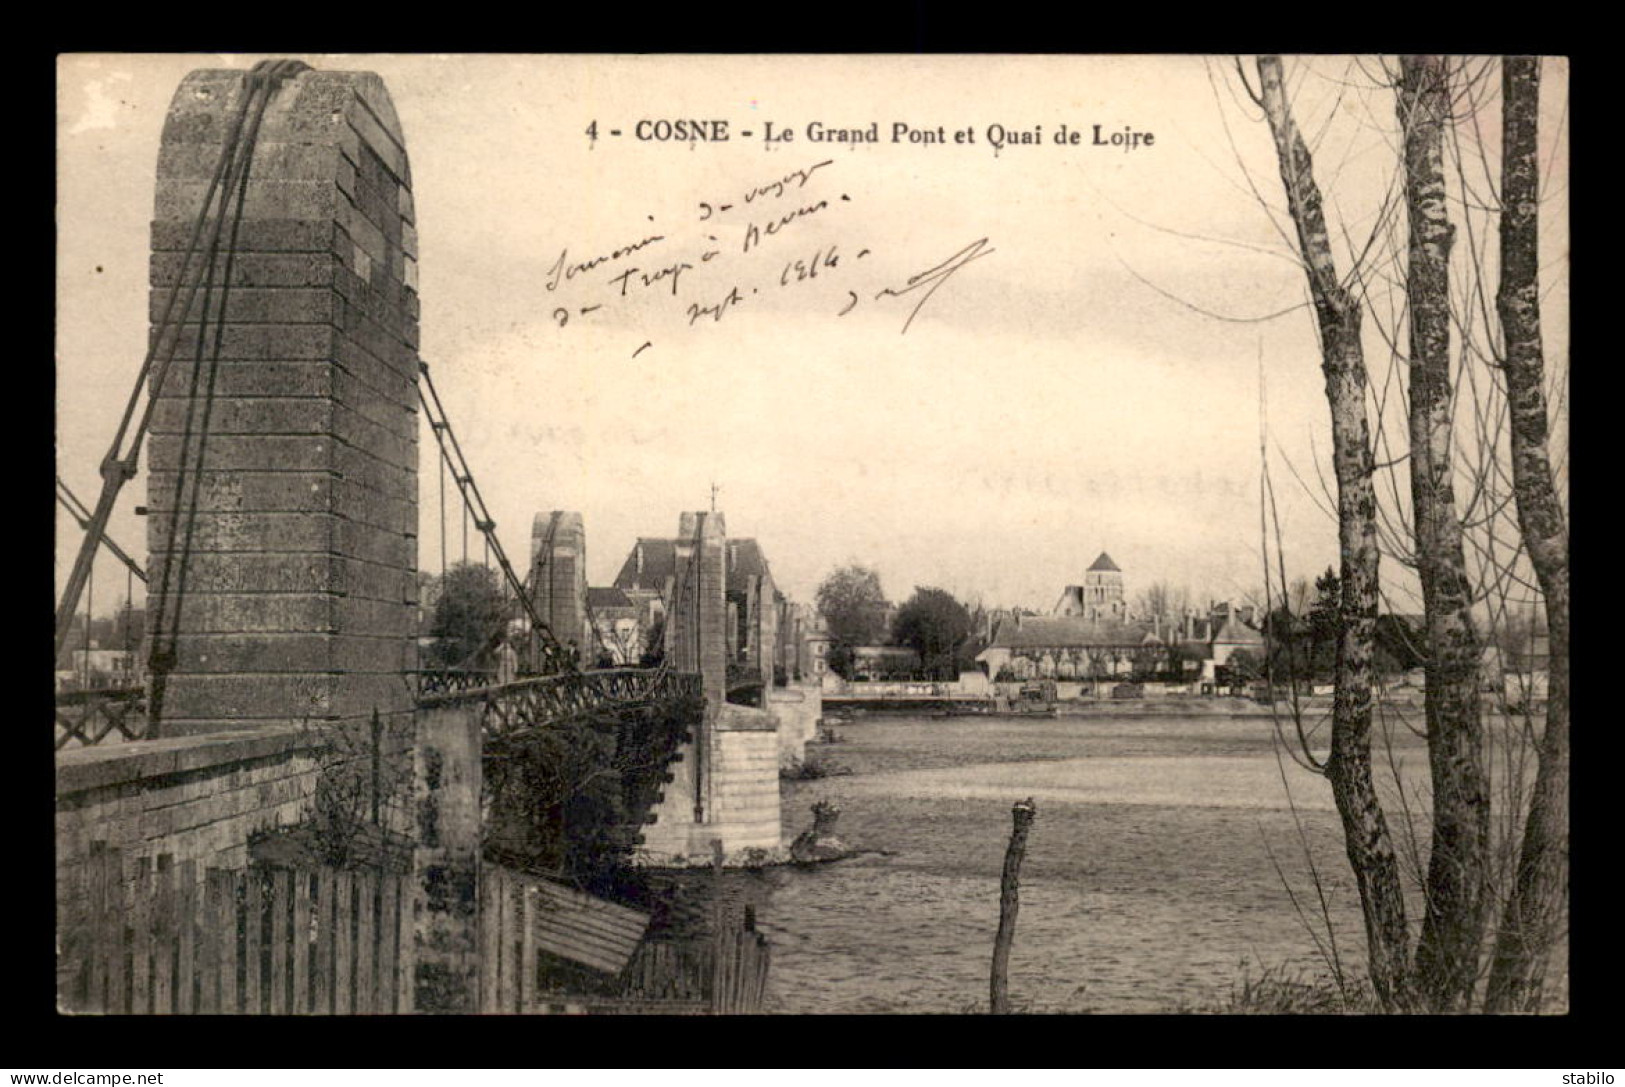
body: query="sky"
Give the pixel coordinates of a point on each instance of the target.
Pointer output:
(1083, 373)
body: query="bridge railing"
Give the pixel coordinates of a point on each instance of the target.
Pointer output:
(438, 681)
(100, 715)
(537, 701)
(119, 714)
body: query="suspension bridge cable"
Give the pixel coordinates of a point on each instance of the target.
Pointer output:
(442, 520)
(129, 609)
(474, 506)
(90, 592)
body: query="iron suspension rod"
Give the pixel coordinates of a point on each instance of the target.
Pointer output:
(70, 502)
(452, 454)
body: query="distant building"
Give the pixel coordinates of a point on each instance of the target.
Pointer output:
(1100, 598)
(1073, 647)
(803, 642)
(880, 662)
(646, 579)
(1527, 675)
(618, 624)
(1234, 635)
(79, 669)
(1091, 634)
(752, 606)
(757, 612)
(987, 620)
(813, 644)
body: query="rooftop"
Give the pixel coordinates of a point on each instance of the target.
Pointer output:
(659, 562)
(745, 561)
(1038, 632)
(607, 597)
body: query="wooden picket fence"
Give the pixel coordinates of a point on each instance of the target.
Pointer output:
(739, 973)
(156, 937)
(524, 917)
(728, 972)
(159, 940)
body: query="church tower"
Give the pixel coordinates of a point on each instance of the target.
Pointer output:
(1099, 598)
(1103, 590)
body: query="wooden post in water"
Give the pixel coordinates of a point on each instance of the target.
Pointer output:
(1009, 903)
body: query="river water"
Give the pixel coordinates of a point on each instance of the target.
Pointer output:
(1161, 867)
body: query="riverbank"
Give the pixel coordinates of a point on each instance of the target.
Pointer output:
(1177, 707)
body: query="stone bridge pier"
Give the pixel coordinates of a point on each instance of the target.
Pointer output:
(725, 786)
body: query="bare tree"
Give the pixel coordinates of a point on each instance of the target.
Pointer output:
(1162, 601)
(1366, 835)
(1452, 525)
(1447, 953)
(1530, 924)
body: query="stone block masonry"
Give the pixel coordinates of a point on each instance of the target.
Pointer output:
(196, 798)
(282, 488)
(446, 862)
(558, 562)
(745, 789)
(291, 521)
(798, 708)
(726, 784)
(696, 642)
(697, 621)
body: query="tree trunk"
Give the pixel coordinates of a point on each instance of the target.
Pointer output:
(1447, 955)
(1021, 815)
(1539, 897)
(1365, 831)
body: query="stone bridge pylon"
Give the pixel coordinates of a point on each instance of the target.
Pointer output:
(558, 580)
(283, 456)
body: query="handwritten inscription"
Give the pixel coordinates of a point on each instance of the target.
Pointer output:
(719, 267)
(671, 273)
(800, 177)
(716, 310)
(563, 270)
(933, 278)
(754, 232)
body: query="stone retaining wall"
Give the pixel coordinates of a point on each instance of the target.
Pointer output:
(196, 798)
